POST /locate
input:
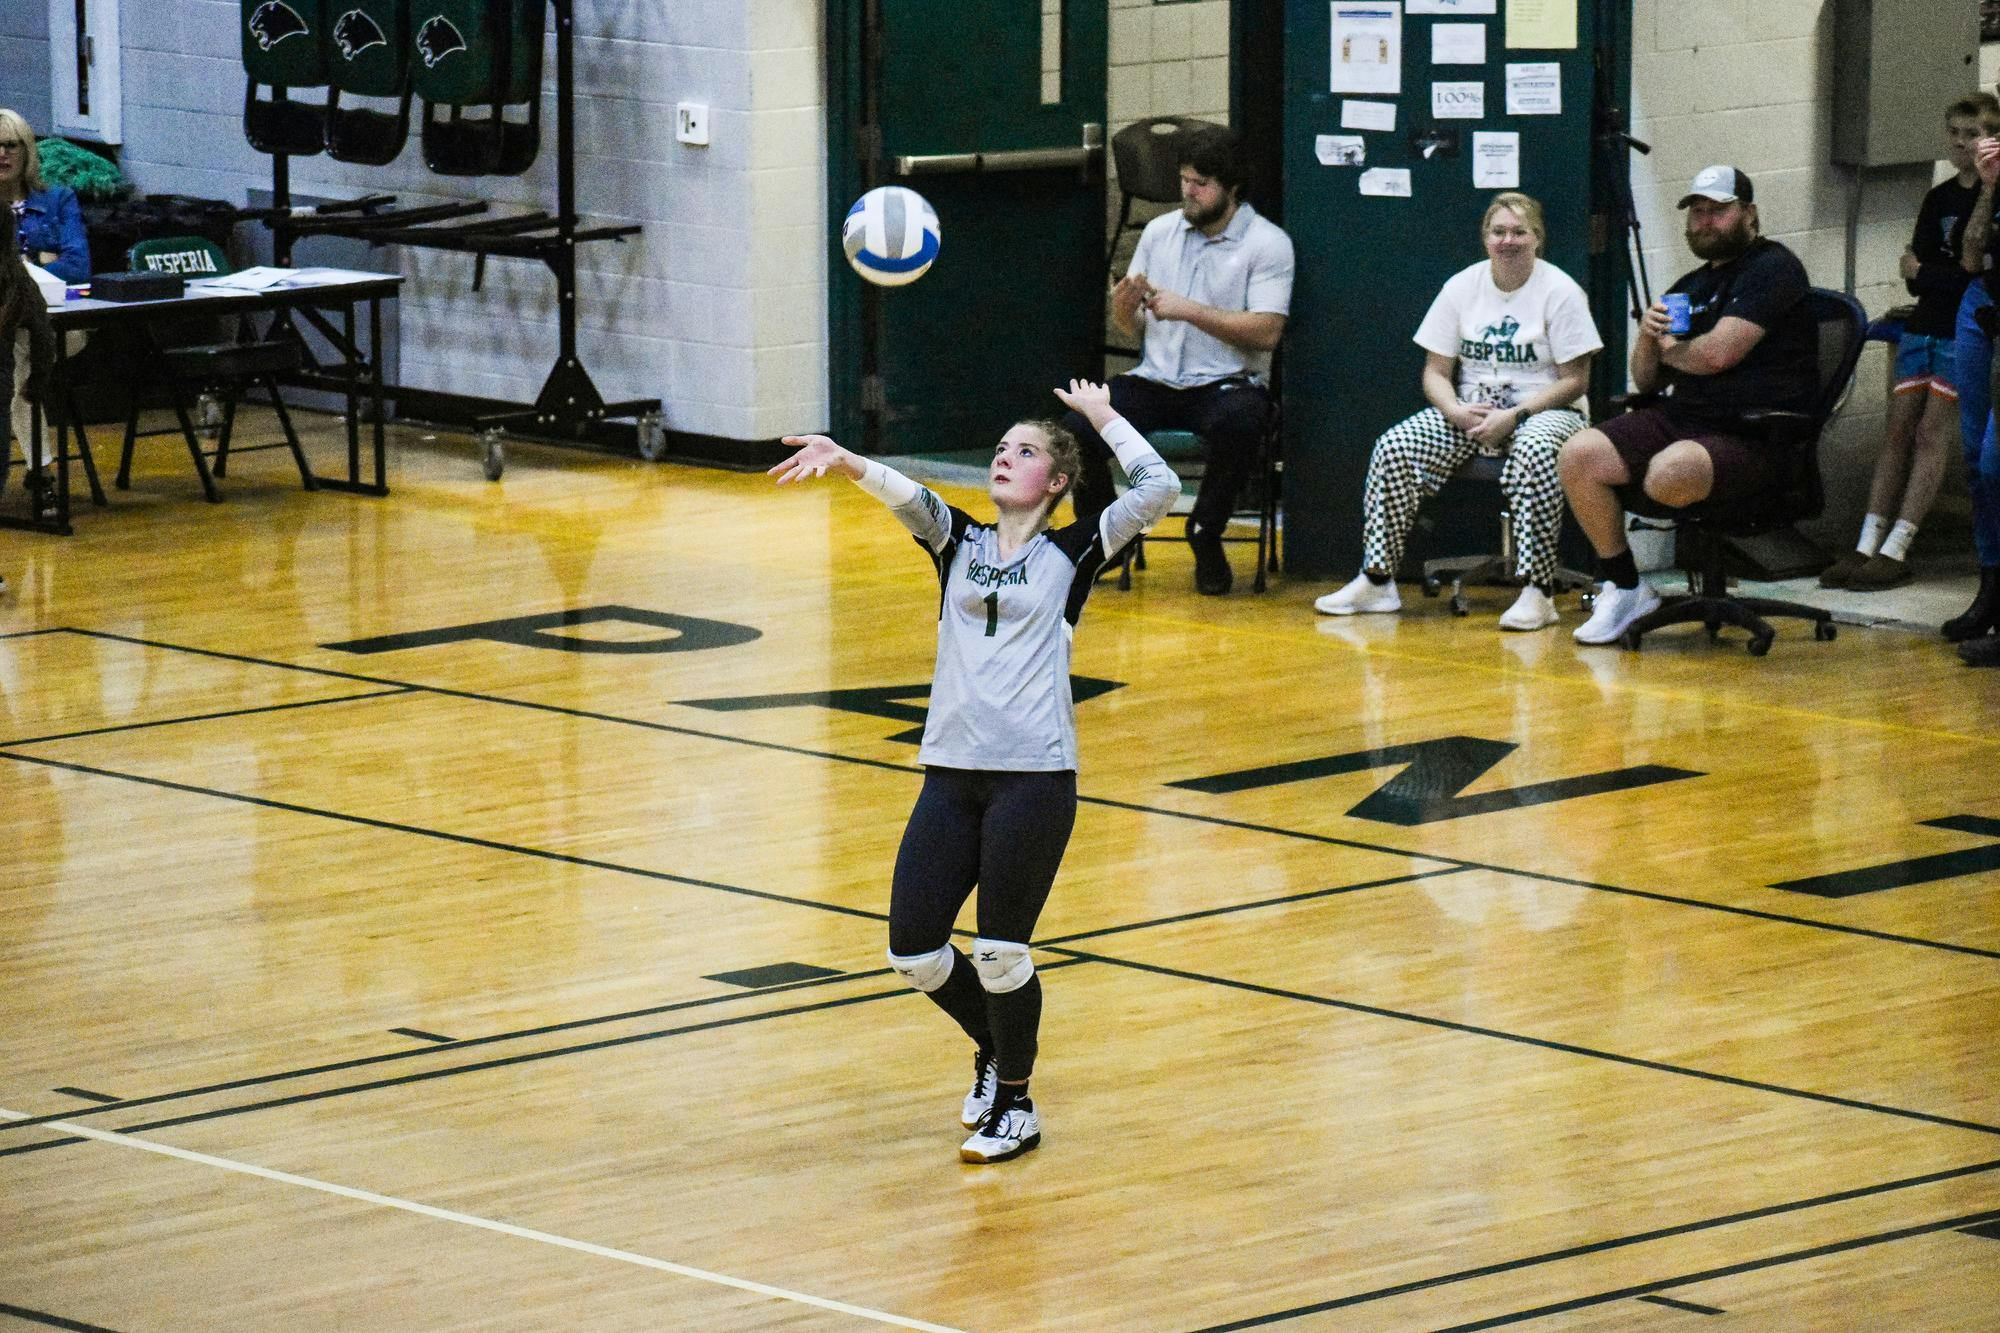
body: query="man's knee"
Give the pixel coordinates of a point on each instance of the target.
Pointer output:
(1237, 420)
(1680, 475)
(1589, 456)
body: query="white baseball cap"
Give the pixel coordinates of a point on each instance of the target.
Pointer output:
(1723, 184)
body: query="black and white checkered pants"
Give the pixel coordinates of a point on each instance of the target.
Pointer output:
(1416, 456)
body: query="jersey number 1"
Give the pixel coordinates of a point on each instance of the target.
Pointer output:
(992, 600)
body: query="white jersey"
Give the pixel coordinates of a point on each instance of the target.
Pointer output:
(1000, 693)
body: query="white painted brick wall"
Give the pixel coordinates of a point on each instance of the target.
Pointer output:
(719, 309)
(1748, 82)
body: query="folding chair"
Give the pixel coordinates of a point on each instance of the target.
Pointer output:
(284, 47)
(369, 57)
(468, 54)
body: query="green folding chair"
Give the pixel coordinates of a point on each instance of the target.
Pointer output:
(284, 47)
(224, 369)
(479, 56)
(368, 55)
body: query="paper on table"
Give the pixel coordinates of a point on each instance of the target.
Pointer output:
(257, 279)
(1496, 160)
(1458, 43)
(1535, 89)
(1458, 101)
(1454, 6)
(1542, 25)
(1367, 40)
(1340, 150)
(1367, 115)
(1386, 182)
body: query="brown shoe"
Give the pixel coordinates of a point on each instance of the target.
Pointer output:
(1840, 571)
(1879, 573)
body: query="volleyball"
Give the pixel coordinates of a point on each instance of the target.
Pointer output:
(891, 235)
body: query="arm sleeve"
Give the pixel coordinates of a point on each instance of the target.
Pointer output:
(1765, 293)
(917, 508)
(1153, 487)
(1439, 331)
(72, 263)
(1270, 289)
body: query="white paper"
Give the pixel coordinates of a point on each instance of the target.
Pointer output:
(1496, 160)
(1458, 101)
(1367, 46)
(1534, 89)
(1340, 150)
(1458, 43)
(258, 279)
(1367, 115)
(1386, 182)
(1454, 6)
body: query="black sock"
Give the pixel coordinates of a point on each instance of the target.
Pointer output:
(1016, 1019)
(1006, 1094)
(1377, 579)
(962, 998)
(1621, 569)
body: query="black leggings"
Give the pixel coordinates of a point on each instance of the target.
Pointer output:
(1004, 832)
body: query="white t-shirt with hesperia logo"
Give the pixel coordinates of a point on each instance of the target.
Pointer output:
(1508, 344)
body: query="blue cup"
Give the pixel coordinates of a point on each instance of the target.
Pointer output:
(1680, 313)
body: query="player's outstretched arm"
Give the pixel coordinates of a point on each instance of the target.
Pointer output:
(916, 507)
(1154, 486)
(817, 455)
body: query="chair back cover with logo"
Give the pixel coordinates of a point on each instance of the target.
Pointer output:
(189, 256)
(478, 53)
(368, 55)
(284, 47)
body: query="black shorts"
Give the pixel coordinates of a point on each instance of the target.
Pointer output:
(1742, 467)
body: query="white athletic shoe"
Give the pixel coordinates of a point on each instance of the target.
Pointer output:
(1616, 609)
(980, 1100)
(1532, 610)
(1004, 1134)
(1359, 598)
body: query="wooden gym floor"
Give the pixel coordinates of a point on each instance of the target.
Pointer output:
(1401, 975)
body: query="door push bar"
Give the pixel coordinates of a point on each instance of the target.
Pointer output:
(1086, 155)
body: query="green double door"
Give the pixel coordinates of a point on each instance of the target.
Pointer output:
(949, 100)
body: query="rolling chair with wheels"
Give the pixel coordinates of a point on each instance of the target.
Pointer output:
(1495, 567)
(225, 368)
(1703, 531)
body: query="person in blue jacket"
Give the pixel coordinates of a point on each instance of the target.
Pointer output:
(48, 219)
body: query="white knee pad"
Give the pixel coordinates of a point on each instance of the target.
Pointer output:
(925, 971)
(1003, 965)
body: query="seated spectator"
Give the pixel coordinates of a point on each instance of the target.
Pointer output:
(1751, 343)
(1974, 629)
(48, 219)
(27, 347)
(1507, 350)
(1923, 408)
(1208, 292)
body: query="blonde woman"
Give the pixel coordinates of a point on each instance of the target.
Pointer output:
(1507, 349)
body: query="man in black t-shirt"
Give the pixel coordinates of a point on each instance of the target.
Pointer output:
(1751, 343)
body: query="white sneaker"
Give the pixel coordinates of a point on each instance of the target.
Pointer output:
(1532, 610)
(1004, 1134)
(980, 1100)
(1359, 598)
(1616, 609)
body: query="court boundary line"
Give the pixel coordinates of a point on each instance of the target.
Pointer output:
(1728, 1270)
(1601, 1246)
(1103, 801)
(26, 1315)
(207, 717)
(1521, 1039)
(127, 1140)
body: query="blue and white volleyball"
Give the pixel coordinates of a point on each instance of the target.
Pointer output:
(891, 235)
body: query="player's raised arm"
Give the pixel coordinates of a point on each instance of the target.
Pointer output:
(1154, 486)
(916, 507)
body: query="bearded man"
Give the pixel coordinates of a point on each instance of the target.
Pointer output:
(1750, 342)
(1207, 293)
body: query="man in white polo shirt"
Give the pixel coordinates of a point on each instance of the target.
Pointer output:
(1208, 291)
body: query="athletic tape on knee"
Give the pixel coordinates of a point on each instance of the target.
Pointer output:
(925, 971)
(1003, 965)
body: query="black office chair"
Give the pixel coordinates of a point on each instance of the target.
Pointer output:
(1703, 532)
(1496, 567)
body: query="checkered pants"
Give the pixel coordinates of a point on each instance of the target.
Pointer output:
(1416, 456)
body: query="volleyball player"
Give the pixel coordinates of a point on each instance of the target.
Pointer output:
(999, 748)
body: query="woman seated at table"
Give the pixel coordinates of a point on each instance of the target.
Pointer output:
(48, 225)
(1507, 348)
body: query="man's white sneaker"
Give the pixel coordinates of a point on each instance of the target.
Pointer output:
(1532, 610)
(1005, 1133)
(1359, 598)
(1616, 609)
(980, 1100)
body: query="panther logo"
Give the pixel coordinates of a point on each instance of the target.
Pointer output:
(437, 39)
(1504, 331)
(354, 32)
(273, 21)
